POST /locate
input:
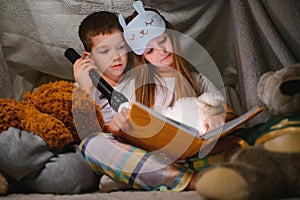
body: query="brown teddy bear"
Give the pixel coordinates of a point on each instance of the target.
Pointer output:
(50, 112)
(270, 167)
(58, 112)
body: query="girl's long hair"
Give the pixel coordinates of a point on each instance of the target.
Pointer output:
(146, 77)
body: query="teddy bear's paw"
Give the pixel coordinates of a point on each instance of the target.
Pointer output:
(280, 135)
(222, 183)
(51, 129)
(55, 99)
(253, 174)
(3, 185)
(288, 143)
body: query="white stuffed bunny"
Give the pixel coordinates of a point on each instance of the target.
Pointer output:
(193, 111)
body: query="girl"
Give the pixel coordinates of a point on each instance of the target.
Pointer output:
(161, 77)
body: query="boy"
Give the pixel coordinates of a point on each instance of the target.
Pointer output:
(105, 51)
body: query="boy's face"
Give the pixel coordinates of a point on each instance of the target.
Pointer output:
(109, 52)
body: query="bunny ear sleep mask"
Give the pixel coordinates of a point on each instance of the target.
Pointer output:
(146, 26)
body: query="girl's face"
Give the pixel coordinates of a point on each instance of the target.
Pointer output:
(159, 51)
(109, 52)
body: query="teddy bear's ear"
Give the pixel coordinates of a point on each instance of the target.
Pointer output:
(262, 84)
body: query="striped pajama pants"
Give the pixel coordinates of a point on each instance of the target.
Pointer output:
(138, 168)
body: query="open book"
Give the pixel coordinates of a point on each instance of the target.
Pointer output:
(156, 133)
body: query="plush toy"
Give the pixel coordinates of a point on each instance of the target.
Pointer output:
(58, 112)
(193, 111)
(55, 112)
(270, 167)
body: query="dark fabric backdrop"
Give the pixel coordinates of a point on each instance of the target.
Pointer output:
(245, 38)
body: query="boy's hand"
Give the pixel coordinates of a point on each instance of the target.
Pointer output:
(81, 69)
(120, 123)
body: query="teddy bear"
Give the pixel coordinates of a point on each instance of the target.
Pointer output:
(270, 166)
(50, 112)
(60, 112)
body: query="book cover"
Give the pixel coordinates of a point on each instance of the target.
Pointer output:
(158, 134)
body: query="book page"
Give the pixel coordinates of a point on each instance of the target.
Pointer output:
(232, 125)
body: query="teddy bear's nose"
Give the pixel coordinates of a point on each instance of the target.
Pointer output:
(290, 88)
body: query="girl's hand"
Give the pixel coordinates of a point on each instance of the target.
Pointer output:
(81, 69)
(120, 123)
(213, 122)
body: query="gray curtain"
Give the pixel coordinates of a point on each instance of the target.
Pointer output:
(5, 83)
(267, 38)
(245, 38)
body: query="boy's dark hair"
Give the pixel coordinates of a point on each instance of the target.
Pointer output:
(102, 22)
